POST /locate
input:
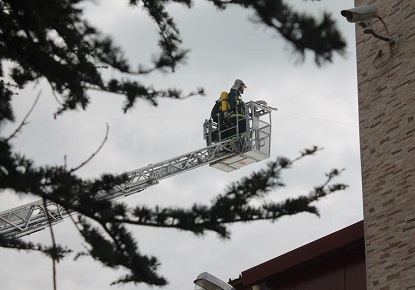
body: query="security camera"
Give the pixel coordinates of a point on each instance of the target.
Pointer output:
(362, 13)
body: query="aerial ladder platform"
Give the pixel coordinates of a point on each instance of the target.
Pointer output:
(229, 146)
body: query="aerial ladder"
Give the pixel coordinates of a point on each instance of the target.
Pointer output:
(229, 146)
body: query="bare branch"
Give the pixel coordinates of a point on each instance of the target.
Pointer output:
(25, 118)
(53, 244)
(54, 94)
(95, 153)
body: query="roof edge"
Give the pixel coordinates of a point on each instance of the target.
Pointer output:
(305, 253)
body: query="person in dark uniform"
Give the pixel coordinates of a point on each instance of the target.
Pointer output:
(237, 106)
(229, 110)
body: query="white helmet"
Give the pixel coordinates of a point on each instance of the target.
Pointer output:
(239, 85)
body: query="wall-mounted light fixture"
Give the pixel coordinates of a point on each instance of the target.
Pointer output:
(206, 281)
(364, 16)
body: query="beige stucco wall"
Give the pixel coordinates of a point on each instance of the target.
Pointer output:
(386, 89)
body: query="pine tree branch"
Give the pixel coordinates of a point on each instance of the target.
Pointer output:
(57, 252)
(199, 218)
(302, 31)
(234, 206)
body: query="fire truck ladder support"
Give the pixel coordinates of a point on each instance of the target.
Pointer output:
(226, 154)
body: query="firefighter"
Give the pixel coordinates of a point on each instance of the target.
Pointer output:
(237, 106)
(229, 111)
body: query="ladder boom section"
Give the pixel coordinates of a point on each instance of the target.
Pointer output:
(142, 178)
(35, 216)
(30, 218)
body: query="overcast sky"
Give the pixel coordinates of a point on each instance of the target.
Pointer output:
(316, 106)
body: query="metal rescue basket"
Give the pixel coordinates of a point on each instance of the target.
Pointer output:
(248, 138)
